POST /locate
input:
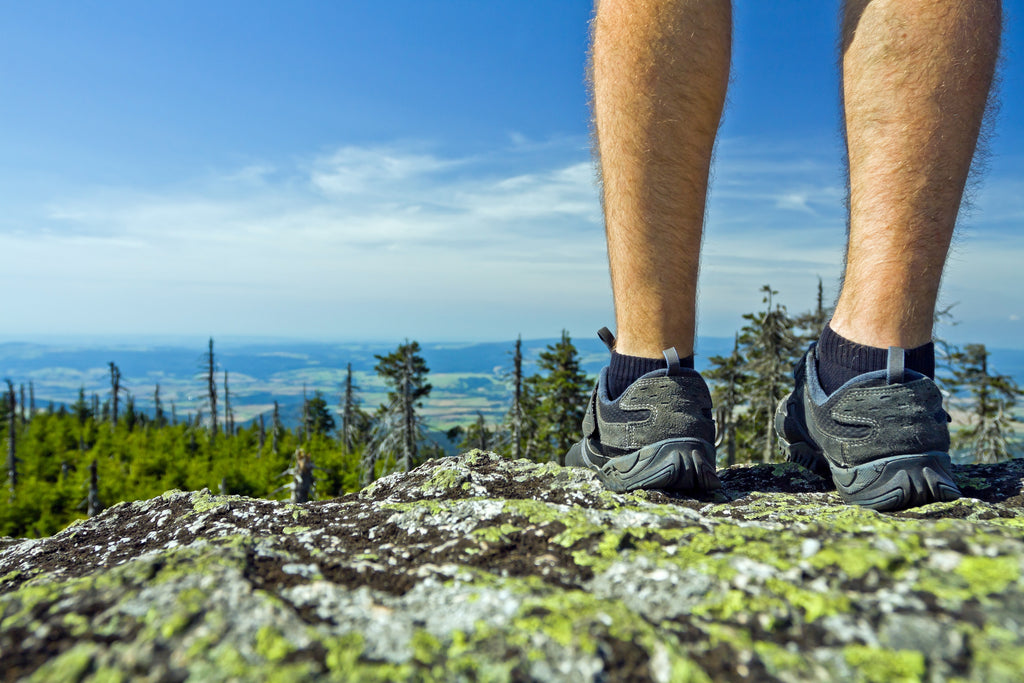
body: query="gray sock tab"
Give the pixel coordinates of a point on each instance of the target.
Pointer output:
(672, 360)
(895, 365)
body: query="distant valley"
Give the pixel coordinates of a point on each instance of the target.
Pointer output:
(467, 377)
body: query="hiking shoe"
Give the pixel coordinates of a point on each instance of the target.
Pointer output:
(882, 437)
(659, 434)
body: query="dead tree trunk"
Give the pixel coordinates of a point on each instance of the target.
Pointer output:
(348, 412)
(517, 400)
(211, 388)
(408, 416)
(12, 456)
(158, 408)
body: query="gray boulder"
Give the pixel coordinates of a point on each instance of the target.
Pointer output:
(482, 568)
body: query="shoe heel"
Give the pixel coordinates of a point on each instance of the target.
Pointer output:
(898, 482)
(683, 465)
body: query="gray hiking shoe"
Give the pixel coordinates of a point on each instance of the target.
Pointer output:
(658, 435)
(882, 437)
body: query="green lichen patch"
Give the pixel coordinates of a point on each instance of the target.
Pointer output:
(878, 665)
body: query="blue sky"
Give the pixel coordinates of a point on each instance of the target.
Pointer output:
(390, 169)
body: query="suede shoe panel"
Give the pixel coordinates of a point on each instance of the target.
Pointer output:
(659, 434)
(882, 437)
(902, 418)
(656, 408)
(868, 420)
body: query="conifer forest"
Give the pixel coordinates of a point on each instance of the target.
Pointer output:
(71, 461)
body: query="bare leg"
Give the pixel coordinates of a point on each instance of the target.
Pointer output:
(660, 70)
(916, 78)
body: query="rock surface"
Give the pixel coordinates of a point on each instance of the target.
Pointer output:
(481, 568)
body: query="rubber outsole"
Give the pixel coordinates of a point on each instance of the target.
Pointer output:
(896, 482)
(673, 464)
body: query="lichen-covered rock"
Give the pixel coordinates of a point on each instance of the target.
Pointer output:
(481, 568)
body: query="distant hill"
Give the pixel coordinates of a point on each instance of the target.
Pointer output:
(468, 377)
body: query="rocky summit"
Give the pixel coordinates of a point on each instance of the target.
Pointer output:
(482, 568)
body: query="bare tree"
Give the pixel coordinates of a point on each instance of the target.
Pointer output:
(12, 454)
(211, 391)
(516, 414)
(350, 413)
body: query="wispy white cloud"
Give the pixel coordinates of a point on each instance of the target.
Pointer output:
(360, 170)
(388, 241)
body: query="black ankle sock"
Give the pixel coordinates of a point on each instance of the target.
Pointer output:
(624, 370)
(840, 360)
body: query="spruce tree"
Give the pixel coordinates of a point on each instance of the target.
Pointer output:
(158, 409)
(400, 428)
(989, 437)
(82, 411)
(770, 347)
(115, 393)
(478, 434)
(319, 420)
(354, 421)
(131, 418)
(557, 398)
